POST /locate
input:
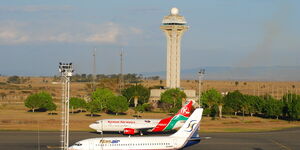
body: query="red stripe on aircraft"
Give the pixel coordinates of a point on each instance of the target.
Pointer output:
(186, 110)
(162, 124)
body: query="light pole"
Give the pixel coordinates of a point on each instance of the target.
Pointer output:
(121, 78)
(66, 70)
(201, 75)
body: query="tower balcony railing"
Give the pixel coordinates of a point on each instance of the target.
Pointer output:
(174, 24)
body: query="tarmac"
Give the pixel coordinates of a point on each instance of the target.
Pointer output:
(288, 139)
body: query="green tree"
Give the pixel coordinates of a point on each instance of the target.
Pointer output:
(76, 103)
(93, 107)
(139, 109)
(117, 104)
(233, 100)
(172, 98)
(50, 106)
(271, 106)
(254, 104)
(101, 96)
(212, 97)
(136, 92)
(291, 106)
(38, 100)
(147, 107)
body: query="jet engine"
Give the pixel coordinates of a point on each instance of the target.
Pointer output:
(129, 131)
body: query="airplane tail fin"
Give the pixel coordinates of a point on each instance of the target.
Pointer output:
(186, 109)
(170, 122)
(191, 126)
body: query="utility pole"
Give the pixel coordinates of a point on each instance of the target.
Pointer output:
(121, 78)
(94, 70)
(66, 70)
(201, 75)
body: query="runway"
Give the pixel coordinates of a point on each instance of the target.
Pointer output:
(276, 140)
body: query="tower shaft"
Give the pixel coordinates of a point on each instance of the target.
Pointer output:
(173, 34)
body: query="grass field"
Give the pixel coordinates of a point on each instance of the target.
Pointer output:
(17, 118)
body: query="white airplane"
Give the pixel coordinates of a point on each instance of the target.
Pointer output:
(133, 126)
(186, 136)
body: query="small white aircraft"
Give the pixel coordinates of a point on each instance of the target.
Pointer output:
(186, 136)
(133, 126)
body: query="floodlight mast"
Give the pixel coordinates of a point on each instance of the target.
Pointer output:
(201, 75)
(121, 78)
(66, 70)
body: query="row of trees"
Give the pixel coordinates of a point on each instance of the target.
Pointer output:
(105, 100)
(98, 77)
(288, 107)
(102, 100)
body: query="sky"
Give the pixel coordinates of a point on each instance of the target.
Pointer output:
(35, 35)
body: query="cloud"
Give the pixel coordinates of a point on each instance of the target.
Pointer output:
(109, 36)
(13, 33)
(10, 34)
(146, 10)
(34, 8)
(135, 30)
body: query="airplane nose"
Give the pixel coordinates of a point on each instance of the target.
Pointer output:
(93, 126)
(72, 148)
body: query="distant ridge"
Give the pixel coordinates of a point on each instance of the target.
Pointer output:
(274, 73)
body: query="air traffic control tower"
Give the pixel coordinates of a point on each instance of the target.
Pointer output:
(174, 26)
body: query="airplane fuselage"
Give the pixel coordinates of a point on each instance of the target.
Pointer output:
(132, 126)
(120, 124)
(121, 143)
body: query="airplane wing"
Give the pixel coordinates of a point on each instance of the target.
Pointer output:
(144, 129)
(132, 131)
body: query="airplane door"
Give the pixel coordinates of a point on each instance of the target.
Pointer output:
(91, 146)
(101, 144)
(131, 144)
(101, 128)
(174, 143)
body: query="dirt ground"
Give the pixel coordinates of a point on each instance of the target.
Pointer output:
(14, 116)
(17, 118)
(14, 93)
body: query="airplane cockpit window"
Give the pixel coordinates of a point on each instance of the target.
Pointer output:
(78, 144)
(96, 122)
